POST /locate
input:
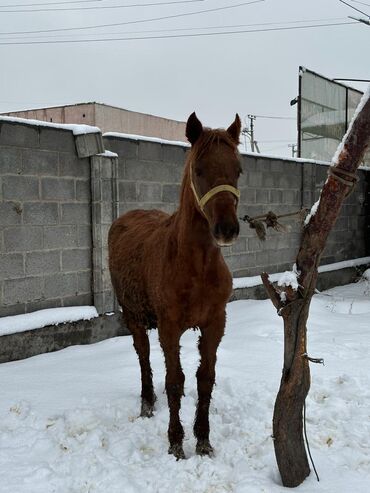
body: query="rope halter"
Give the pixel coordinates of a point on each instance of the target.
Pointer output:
(202, 201)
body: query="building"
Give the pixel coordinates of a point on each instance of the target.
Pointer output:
(108, 119)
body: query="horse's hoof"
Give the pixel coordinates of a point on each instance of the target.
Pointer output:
(204, 448)
(146, 409)
(177, 451)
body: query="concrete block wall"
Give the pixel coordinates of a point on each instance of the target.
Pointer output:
(45, 220)
(58, 197)
(149, 176)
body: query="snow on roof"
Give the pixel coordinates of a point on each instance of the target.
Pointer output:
(146, 138)
(75, 128)
(42, 318)
(250, 282)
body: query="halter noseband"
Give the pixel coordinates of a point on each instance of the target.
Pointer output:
(206, 197)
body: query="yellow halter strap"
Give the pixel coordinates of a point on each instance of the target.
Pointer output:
(206, 197)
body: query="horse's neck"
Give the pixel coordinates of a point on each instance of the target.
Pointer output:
(194, 238)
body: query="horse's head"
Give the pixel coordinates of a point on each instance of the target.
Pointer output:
(214, 172)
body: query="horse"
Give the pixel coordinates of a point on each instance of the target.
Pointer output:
(168, 273)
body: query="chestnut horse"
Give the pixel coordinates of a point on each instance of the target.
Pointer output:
(168, 273)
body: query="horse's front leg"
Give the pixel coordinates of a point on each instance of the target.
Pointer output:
(209, 340)
(169, 337)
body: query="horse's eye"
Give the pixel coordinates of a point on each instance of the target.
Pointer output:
(198, 171)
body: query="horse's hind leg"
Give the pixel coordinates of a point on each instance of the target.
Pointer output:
(142, 347)
(208, 343)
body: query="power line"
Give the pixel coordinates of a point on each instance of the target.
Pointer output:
(361, 3)
(99, 7)
(354, 8)
(48, 3)
(138, 21)
(194, 28)
(174, 35)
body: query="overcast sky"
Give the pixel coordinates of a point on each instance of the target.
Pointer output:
(215, 75)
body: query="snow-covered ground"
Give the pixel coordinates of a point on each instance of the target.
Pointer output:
(69, 420)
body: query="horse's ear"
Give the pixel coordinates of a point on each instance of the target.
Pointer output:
(235, 128)
(194, 128)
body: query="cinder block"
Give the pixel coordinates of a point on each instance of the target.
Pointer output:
(61, 285)
(155, 171)
(20, 188)
(11, 266)
(85, 282)
(44, 262)
(127, 191)
(10, 213)
(240, 246)
(10, 310)
(42, 163)
(40, 213)
(171, 193)
(83, 191)
(22, 290)
(89, 144)
(76, 214)
(19, 134)
(248, 195)
(84, 236)
(149, 192)
(23, 238)
(71, 165)
(262, 196)
(268, 180)
(42, 305)
(78, 300)
(150, 151)
(263, 165)
(174, 153)
(58, 189)
(124, 147)
(10, 161)
(57, 139)
(76, 259)
(255, 179)
(60, 237)
(276, 196)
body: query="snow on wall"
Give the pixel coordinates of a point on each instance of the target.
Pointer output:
(42, 318)
(74, 128)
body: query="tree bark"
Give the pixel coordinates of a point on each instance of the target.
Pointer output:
(289, 444)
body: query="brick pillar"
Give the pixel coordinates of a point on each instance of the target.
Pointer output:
(104, 203)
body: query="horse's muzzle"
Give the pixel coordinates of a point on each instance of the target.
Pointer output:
(226, 232)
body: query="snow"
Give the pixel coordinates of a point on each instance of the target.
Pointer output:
(42, 318)
(289, 278)
(108, 154)
(77, 129)
(312, 212)
(250, 282)
(146, 138)
(69, 420)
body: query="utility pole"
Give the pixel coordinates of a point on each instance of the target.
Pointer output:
(249, 132)
(294, 149)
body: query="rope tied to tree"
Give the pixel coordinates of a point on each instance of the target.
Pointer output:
(271, 221)
(345, 177)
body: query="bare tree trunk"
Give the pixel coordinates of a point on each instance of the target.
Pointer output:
(295, 382)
